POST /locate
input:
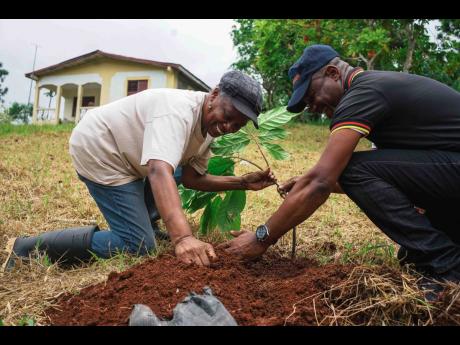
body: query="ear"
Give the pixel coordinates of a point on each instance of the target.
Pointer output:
(214, 93)
(332, 72)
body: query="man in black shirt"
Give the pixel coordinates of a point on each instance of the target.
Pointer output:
(409, 187)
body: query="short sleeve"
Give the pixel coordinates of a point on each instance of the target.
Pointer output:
(200, 162)
(165, 139)
(361, 109)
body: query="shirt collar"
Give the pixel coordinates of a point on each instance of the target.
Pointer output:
(350, 76)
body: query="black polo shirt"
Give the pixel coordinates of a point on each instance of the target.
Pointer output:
(400, 111)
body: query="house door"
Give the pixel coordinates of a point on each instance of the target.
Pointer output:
(85, 102)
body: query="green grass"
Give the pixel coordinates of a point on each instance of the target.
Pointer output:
(27, 321)
(9, 129)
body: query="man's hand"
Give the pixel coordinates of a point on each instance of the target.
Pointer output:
(258, 180)
(287, 186)
(191, 250)
(244, 245)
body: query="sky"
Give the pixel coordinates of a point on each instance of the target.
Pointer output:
(203, 46)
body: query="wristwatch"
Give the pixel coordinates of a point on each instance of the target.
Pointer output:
(262, 233)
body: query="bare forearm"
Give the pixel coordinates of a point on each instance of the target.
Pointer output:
(300, 204)
(169, 206)
(212, 183)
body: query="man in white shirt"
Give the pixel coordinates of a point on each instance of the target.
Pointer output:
(131, 153)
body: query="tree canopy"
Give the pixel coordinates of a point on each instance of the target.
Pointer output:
(267, 48)
(3, 90)
(21, 112)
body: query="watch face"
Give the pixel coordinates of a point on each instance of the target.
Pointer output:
(261, 233)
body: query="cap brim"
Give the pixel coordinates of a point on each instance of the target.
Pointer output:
(245, 110)
(296, 103)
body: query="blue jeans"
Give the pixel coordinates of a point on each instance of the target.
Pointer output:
(387, 185)
(129, 210)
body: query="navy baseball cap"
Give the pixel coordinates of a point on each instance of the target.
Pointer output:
(312, 60)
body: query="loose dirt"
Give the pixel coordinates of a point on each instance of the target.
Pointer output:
(255, 293)
(271, 291)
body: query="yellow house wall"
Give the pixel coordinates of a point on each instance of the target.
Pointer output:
(107, 68)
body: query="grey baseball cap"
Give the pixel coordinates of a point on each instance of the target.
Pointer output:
(244, 92)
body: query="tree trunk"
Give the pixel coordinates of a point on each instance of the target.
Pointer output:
(410, 32)
(318, 29)
(267, 85)
(369, 62)
(49, 106)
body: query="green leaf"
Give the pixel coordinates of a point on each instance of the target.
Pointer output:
(274, 134)
(186, 196)
(275, 150)
(229, 213)
(221, 166)
(208, 220)
(230, 143)
(200, 200)
(205, 219)
(275, 118)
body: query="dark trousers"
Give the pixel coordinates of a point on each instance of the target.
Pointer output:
(388, 184)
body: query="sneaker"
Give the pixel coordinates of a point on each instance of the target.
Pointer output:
(431, 288)
(402, 255)
(434, 284)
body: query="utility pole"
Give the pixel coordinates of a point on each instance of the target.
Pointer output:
(33, 69)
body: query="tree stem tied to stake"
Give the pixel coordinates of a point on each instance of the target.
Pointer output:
(282, 195)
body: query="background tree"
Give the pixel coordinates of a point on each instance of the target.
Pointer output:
(21, 112)
(3, 90)
(50, 94)
(448, 52)
(267, 48)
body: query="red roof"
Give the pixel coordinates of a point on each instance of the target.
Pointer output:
(100, 54)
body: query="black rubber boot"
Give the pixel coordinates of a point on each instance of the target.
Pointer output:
(67, 246)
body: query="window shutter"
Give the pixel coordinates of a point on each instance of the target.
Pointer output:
(135, 86)
(142, 85)
(132, 87)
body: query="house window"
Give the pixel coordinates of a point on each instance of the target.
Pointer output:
(135, 86)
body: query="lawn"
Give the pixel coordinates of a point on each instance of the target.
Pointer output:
(40, 191)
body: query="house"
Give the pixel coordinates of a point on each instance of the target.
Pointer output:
(99, 78)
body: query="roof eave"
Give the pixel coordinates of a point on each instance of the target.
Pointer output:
(193, 78)
(98, 53)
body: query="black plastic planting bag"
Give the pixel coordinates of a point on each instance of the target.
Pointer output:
(194, 310)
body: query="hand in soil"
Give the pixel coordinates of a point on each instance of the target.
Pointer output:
(287, 186)
(244, 245)
(191, 250)
(259, 180)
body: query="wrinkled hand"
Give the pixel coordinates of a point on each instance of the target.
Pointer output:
(287, 186)
(244, 245)
(258, 180)
(191, 250)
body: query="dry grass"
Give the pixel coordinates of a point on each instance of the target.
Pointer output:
(40, 191)
(378, 297)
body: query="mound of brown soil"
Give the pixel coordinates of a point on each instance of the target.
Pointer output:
(263, 292)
